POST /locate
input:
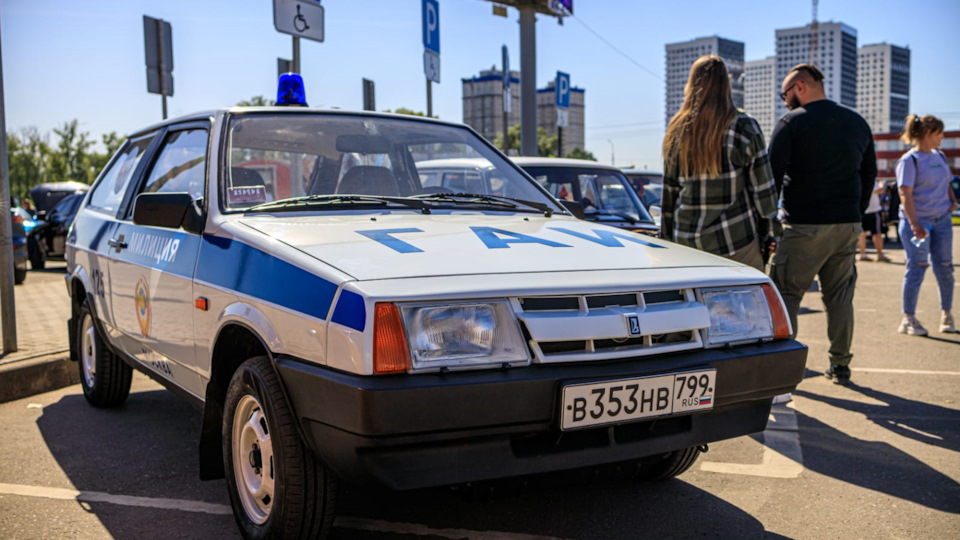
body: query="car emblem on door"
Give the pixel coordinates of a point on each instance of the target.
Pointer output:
(142, 299)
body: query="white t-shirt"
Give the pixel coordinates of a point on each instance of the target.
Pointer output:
(874, 205)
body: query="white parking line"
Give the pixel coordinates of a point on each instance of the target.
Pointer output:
(903, 371)
(125, 500)
(342, 522)
(782, 454)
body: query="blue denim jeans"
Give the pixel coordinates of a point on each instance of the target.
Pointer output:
(938, 251)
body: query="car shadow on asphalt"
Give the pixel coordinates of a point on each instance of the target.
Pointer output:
(878, 465)
(148, 448)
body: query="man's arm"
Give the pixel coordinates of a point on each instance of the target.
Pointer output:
(781, 145)
(868, 173)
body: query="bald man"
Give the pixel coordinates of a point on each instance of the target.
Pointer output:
(824, 165)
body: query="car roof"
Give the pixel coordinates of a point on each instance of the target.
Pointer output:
(209, 114)
(458, 163)
(641, 172)
(525, 161)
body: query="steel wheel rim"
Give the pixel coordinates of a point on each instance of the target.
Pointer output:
(252, 446)
(88, 351)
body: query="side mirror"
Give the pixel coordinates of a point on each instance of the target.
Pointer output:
(573, 207)
(169, 210)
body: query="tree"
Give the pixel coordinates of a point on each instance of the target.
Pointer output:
(257, 101)
(579, 153)
(28, 156)
(71, 158)
(546, 144)
(411, 112)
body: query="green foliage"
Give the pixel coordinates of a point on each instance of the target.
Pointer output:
(257, 101)
(34, 160)
(546, 144)
(411, 112)
(580, 153)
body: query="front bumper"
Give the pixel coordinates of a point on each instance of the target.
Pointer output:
(412, 431)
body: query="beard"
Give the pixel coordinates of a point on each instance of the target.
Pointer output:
(793, 102)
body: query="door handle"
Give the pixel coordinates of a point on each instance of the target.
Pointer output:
(117, 243)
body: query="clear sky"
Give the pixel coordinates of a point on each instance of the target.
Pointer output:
(65, 60)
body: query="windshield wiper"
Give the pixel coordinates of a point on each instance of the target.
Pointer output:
(345, 200)
(492, 200)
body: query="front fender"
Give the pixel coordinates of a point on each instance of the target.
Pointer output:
(250, 316)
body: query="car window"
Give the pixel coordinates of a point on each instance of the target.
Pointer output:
(181, 165)
(109, 191)
(272, 157)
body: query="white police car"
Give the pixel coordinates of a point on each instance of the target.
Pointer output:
(286, 271)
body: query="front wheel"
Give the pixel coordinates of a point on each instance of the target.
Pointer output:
(278, 489)
(669, 465)
(105, 378)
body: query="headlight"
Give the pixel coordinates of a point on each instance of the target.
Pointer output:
(462, 334)
(737, 314)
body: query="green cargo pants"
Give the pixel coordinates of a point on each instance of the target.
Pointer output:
(827, 251)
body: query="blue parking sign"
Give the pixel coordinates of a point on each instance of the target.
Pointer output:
(431, 25)
(563, 90)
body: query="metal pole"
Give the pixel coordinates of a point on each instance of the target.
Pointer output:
(613, 161)
(506, 137)
(528, 81)
(429, 100)
(296, 55)
(163, 67)
(8, 313)
(559, 141)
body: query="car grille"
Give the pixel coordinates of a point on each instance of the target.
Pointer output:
(594, 327)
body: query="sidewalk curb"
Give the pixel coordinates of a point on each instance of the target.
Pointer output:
(37, 375)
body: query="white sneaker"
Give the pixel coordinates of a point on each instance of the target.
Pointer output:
(911, 326)
(946, 323)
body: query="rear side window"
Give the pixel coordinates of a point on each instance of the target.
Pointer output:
(181, 165)
(108, 194)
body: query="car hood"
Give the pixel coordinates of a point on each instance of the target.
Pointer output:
(395, 245)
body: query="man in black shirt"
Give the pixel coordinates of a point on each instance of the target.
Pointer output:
(824, 165)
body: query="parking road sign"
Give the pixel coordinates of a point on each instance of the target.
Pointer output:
(563, 90)
(431, 26)
(299, 19)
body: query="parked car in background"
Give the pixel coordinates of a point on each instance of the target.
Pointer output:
(46, 196)
(47, 240)
(29, 222)
(603, 191)
(19, 247)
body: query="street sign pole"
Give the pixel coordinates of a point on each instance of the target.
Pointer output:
(528, 81)
(430, 11)
(296, 55)
(8, 313)
(163, 67)
(506, 99)
(561, 90)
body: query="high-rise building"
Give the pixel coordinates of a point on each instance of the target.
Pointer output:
(761, 91)
(835, 56)
(483, 102)
(573, 134)
(883, 86)
(680, 58)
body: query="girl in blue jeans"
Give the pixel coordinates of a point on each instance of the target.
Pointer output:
(923, 176)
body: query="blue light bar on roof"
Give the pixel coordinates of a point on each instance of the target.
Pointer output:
(290, 91)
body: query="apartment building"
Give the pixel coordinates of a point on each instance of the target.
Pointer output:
(761, 92)
(680, 58)
(835, 54)
(883, 86)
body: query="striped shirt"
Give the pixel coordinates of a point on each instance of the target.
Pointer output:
(721, 214)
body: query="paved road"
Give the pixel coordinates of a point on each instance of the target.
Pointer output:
(879, 459)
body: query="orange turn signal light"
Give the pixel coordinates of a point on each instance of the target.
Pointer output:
(390, 354)
(781, 323)
(200, 303)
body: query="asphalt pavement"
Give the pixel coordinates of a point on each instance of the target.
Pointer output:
(877, 459)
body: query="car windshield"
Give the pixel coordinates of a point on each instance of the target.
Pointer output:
(316, 161)
(604, 194)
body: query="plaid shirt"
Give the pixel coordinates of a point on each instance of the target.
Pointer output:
(721, 214)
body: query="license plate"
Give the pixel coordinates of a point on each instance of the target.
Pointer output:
(610, 402)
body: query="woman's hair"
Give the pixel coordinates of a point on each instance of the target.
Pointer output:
(919, 126)
(694, 139)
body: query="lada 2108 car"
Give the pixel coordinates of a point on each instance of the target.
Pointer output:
(367, 329)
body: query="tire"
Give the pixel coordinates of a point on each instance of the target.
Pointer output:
(19, 275)
(669, 465)
(37, 259)
(105, 378)
(278, 488)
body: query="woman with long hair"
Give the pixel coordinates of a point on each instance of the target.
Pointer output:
(926, 201)
(718, 188)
